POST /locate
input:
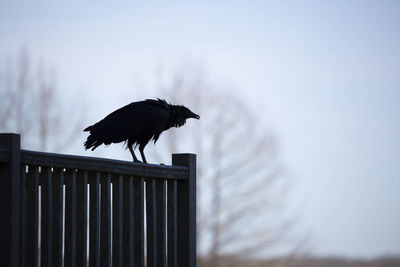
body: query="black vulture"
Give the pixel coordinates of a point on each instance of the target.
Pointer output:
(136, 124)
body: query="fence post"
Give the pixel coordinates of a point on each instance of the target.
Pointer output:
(10, 201)
(186, 211)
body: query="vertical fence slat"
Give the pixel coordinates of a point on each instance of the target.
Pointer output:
(57, 221)
(10, 197)
(139, 221)
(105, 224)
(151, 222)
(161, 221)
(94, 222)
(186, 211)
(47, 217)
(128, 222)
(24, 222)
(81, 218)
(32, 216)
(172, 223)
(117, 223)
(70, 219)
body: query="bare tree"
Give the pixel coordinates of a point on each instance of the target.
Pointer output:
(240, 182)
(31, 105)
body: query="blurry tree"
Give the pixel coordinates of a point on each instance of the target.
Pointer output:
(30, 105)
(240, 187)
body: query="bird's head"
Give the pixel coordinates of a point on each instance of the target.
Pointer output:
(186, 113)
(180, 114)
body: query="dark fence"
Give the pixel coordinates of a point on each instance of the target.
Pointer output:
(63, 210)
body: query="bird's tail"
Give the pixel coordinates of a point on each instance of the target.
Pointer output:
(93, 140)
(91, 143)
(87, 129)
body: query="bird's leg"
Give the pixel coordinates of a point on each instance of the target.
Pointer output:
(141, 148)
(133, 154)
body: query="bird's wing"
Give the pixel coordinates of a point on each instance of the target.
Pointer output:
(146, 117)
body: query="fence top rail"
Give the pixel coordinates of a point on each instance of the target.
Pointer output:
(98, 164)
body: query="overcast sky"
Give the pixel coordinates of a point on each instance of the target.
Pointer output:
(326, 76)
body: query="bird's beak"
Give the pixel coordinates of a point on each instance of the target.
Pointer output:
(195, 116)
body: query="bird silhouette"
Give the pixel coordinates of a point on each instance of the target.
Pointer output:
(136, 124)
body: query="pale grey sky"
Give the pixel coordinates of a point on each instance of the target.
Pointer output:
(326, 76)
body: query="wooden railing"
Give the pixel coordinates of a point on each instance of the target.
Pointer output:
(64, 210)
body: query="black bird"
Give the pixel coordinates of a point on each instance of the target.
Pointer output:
(137, 124)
